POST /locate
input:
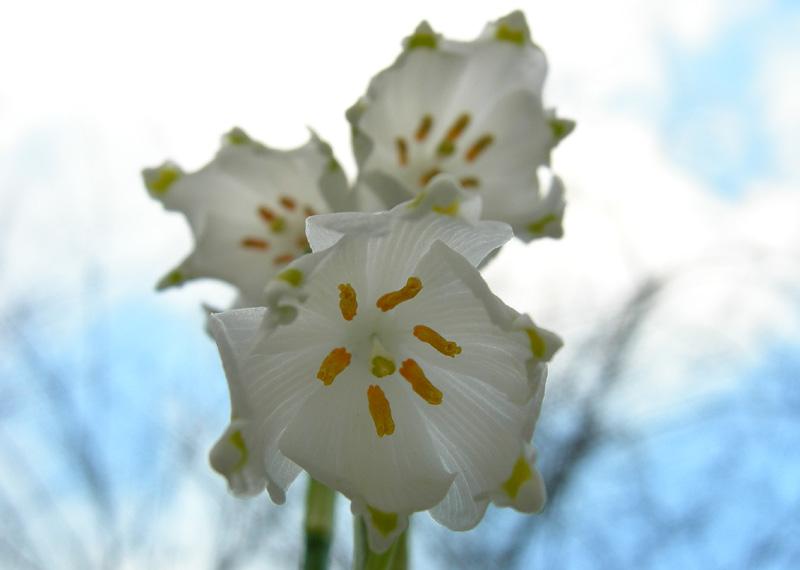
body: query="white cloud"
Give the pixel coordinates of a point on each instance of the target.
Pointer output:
(696, 24)
(778, 87)
(138, 84)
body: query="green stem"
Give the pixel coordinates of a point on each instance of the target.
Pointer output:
(319, 525)
(396, 558)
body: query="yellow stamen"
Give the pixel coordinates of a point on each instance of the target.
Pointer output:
(457, 128)
(288, 202)
(402, 151)
(266, 214)
(391, 300)
(347, 301)
(255, 243)
(424, 128)
(521, 473)
(380, 411)
(425, 178)
(470, 182)
(411, 371)
(447, 146)
(333, 365)
(478, 147)
(437, 341)
(382, 366)
(283, 259)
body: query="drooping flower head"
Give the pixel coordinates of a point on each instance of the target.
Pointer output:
(385, 367)
(473, 110)
(247, 209)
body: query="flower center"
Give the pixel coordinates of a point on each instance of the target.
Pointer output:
(431, 165)
(284, 231)
(382, 363)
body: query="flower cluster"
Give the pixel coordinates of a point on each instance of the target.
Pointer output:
(380, 362)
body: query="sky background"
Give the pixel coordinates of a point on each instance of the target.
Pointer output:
(683, 169)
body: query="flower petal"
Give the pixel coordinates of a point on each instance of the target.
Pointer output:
(524, 489)
(470, 109)
(247, 209)
(334, 438)
(451, 206)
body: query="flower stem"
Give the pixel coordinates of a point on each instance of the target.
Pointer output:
(396, 558)
(319, 525)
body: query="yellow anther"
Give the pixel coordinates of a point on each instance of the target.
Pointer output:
(380, 411)
(437, 341)
(470, 182)
(538, 346)
(402, 151)
(266, 214)
(382, 366)
(288, 203)
(521, 473)
(477, 148)
(447, 146)
(424, 128)
(458, 127)
(255, 243)
(391, 300)
(333, 365)
(384, 522)
(347, 301)
(411, 371)
(283, 259)
(426, 177)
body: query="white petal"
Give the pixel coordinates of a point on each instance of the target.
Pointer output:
(471, 109)
(247, 208)
(261, 395)
(334, 438)
(524, 488)
(382, 528)
(235, 457)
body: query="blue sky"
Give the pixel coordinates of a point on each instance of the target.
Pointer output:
(714, 122)
(683, 166)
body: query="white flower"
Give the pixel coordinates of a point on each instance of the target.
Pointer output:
(247, 209)
(385, 367)
(470, 109)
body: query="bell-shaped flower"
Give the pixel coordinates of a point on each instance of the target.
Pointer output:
(247, 209)
(470, 109)
(385, 368)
